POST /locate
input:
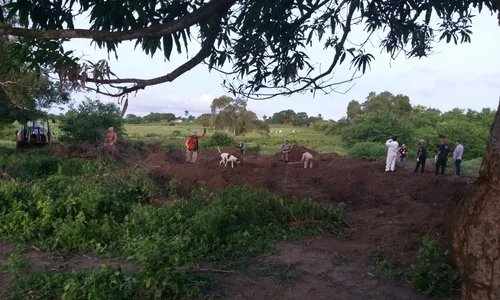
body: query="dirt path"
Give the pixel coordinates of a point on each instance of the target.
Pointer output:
(314, 268)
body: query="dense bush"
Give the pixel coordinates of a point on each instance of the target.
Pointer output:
(91, 120)
(377, 127)
(218, 139)
(38, 165)
(368, 151)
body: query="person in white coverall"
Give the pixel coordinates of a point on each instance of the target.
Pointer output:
(392, 154)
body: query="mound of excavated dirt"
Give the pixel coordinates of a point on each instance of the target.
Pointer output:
(296, 153)
(125, 155)
(388, 210)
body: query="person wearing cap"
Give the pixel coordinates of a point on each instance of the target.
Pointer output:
(111, 138)
(192, 146)
(442, 157)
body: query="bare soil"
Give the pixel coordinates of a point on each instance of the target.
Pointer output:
(388, 212)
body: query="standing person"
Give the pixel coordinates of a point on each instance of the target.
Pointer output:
(457, 156)
(307, 159)
(392, 153)
(421, 156)
(192, 146)
(242, 147)
(403, 151)
(285, 149)
(442, 157)
(111, 138)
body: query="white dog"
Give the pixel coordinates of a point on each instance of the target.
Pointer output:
(226, 158)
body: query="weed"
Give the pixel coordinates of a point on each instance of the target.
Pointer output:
(431, 274)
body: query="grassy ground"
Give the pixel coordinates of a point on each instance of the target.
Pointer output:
(268, 144)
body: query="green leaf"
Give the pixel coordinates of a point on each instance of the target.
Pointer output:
(167, 46)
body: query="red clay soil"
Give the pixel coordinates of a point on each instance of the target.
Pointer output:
(389, 211)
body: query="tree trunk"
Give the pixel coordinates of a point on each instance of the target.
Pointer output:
(476, 227)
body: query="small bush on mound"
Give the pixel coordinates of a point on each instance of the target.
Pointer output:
(253, 149)
(170, 147)
(218, 139)
(368, 151)
(176, 133)
(91, 120)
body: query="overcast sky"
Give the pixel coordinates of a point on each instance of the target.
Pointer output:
(464, 76)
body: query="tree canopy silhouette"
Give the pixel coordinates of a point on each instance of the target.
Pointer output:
(265, 40)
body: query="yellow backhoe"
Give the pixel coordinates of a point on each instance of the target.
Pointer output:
(34, 134)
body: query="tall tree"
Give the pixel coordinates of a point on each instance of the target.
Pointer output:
(232, 115)
(353, 110)
(265, 41)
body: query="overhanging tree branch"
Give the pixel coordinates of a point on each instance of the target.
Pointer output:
(214, 28)
(200, 15)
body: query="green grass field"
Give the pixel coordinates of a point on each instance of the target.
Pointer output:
(270, 144)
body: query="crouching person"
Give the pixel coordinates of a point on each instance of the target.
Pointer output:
(307, 159)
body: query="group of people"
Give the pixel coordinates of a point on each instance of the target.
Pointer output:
(192, 147)
(393, 152)
(441, 158)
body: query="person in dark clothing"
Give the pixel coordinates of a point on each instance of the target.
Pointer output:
(403, 151)
(421, 156)
(242, 147)
(442, 157)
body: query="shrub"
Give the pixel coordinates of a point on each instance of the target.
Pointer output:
(219, 139)
(377, 127)
(473, 136)
(37, 165)
(368, 151)
(90, 121)
(171, 124)
(176, 133)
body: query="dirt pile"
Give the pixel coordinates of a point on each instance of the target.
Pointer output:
(390, 210)
(126, 153)
(296, 153)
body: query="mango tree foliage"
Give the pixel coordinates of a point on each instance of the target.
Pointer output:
(266, 41)
(24, 93)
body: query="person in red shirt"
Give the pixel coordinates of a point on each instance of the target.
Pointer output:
(111, 138)
(192, 146)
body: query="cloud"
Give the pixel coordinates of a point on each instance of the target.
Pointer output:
(153, 102)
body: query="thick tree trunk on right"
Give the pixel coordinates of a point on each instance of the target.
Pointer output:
(476, 227)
